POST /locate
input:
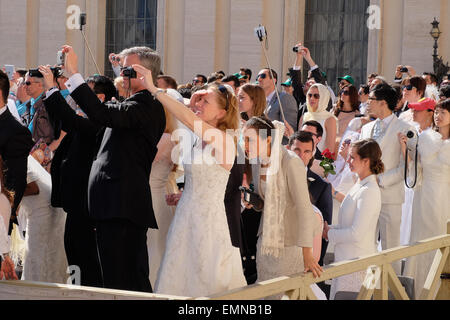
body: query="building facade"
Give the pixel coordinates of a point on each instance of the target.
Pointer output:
(354, 37)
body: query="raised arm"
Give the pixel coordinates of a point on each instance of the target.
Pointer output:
(222, 142)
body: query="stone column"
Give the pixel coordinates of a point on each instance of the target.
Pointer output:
(444, 26)
(174, 29)
(32, 46)
(222, 36)
(392, 35)
(273, 20)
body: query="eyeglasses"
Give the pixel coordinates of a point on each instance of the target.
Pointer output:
(262, 76)
(196, 81)
(29, 83)
(345, 93)
(315, 95)
(223, 90)
(409, 87)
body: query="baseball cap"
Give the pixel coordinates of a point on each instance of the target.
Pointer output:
(423, 104)
(240, 76)
(348, 78)
(287, 83)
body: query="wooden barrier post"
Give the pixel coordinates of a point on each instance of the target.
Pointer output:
(444, 289)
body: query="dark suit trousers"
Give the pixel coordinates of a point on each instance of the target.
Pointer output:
(81, 248)
(323, 251)
(123, 255)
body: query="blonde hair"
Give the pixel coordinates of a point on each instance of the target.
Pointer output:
(231, 118)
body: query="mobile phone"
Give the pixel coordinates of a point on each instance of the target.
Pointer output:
(60, 58)
(9, 71)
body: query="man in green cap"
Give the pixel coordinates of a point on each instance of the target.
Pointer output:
(287, 86)
(345, 81)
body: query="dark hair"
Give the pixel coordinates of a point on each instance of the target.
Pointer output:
(22, 72)
(370, 149)
(232, 78)
(4, 86)
(432, 77)
(185, 92)
(221, 72)
(171, 82)
(354, 101)
(365, 88)
(445, 91)
(315, 124)
(214, 77)
(302, 136)
(387, 93)
(275, 75)
(103, 85)
(201, 76)
(419, 83)
(445, 105)
(373, 75)
(398, 88)
(260, 123)
(9, 195)
(248, 72)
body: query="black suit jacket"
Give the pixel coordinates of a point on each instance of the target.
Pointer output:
(73, 159)
(119, 179)
(15, 145)
(320, 191)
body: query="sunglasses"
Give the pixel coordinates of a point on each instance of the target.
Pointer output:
(345, 93)
(195, 81)
(262, 76)
(408, 87)
(374, 99)
(315, 95)
(224, 90)
(29, 83)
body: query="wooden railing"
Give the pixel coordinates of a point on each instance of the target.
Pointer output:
(377, 284)
(379, 279)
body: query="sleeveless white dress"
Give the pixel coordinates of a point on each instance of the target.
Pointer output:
(199, 259)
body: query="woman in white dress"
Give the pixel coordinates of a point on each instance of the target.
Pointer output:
(431, 201)
(317, 100)
(199, 259)
(45, 256)
(355, 234)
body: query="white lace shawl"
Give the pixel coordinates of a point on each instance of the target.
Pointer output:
(274, 199)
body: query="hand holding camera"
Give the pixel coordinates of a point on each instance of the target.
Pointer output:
(71, 60)
(251, 198)
(114, 59)
(48, 76)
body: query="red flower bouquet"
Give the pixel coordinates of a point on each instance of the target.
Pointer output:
(328, 162)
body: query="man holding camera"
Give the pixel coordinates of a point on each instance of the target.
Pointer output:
(119, 197)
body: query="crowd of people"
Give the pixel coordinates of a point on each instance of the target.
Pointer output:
(195, 189)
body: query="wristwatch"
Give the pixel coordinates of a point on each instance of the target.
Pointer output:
(155, 95)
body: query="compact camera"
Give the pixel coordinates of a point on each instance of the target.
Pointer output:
(129, 72)
(251, 197)
(60, 58)
(57, 72)
(35, 73)
(403, 69)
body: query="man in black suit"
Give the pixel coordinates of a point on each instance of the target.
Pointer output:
(15, 145)
(70, 170)
(119, 197)
(302, 144)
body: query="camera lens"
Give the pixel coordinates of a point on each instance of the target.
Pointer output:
(295, 49)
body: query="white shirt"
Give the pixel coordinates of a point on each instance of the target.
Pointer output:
(2, 109)
(269, 97)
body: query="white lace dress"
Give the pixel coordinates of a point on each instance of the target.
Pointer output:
(199, 259)
(431, 201)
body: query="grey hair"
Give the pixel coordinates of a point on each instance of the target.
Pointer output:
(41, 80)
(148, 57)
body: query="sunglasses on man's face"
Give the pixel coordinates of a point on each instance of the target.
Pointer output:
(29, 83)
(409, 87)
(196, 81)
(315, 95)
(262, 76)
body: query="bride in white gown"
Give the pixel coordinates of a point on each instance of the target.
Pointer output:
(199, 259)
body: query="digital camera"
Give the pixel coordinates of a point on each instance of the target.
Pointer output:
(129, 72)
